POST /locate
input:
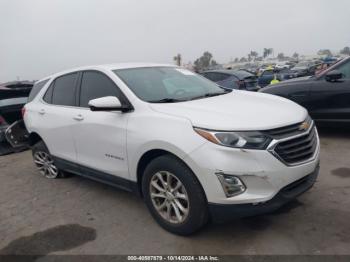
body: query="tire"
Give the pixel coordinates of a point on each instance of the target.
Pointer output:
(44, 162)
(191, 214)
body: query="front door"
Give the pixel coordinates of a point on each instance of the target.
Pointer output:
(100, 137)
(331, 100)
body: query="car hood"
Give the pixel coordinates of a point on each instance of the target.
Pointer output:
(238, 110)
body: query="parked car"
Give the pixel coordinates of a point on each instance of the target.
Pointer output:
(282, 65)
(233, 79)
(191, 149)
(326, 96)
(13, 96)
(305, 68)
(268, 75)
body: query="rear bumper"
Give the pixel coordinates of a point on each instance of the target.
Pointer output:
(222, 212)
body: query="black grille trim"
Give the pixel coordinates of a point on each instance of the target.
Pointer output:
(287, 131)
(297, 150)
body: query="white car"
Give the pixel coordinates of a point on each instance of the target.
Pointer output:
(191, 149)
(282, 65)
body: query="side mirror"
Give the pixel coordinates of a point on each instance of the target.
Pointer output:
(107, 103)
(333, 76)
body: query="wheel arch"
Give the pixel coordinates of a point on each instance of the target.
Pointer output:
(144, 160)
(34, 138)
(151, 154)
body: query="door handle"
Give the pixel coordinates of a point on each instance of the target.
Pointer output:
(78, 117)
(42, 111)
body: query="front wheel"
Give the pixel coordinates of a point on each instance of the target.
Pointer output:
(174, 196)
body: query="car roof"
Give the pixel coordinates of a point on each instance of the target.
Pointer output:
(109, 67)
(238, 73)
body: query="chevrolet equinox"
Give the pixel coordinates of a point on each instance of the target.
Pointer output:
(193, 150)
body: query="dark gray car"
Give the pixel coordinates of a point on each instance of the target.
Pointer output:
(233, 79)
(326, 96)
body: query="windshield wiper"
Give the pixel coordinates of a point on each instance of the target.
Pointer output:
(211, 94)
(166, 100)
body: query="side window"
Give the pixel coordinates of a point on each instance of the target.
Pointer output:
(213, 76)
(95, 85)
(221, 77)
(209, 75)
(230, 82)
(36, 89)
(345, 69)
(64, 90)
(48, 95)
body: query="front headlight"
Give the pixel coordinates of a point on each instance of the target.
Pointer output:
(247, 139)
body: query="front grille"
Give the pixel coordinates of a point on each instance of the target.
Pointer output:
(297, 149)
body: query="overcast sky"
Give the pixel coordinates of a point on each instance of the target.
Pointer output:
(41, 37)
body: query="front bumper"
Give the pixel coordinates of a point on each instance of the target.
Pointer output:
(221, 213)
(261, 172)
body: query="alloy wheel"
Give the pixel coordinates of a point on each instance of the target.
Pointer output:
(45, 164)
(169, 197)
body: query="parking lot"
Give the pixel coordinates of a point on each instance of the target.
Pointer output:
(78, 216)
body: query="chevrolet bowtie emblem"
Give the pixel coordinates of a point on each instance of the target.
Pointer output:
(304, 126)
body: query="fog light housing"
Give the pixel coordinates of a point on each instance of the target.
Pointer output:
(231, 185)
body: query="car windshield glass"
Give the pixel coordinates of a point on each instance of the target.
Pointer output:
(167, 84)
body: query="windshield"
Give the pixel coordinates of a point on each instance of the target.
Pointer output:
(167, 84)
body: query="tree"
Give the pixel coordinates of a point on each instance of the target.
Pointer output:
(213, 63)
(345, 51)
(280, 56)
(325, 52)
(236, 60)
(253, 54)
(204, 62)
(249, 58)
(178, 59)
(267, 52)
(295, 55)
(243, 60)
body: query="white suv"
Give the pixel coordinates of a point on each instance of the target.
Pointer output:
(191, 149)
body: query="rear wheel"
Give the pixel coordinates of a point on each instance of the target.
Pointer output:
(44, 161)
(174, 196)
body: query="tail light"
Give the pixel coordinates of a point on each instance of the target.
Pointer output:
(23, 111)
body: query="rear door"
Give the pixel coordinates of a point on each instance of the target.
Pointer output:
(100, 136)
(331, 100)
(53, 116)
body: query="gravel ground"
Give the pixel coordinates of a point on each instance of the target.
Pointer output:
(79, 216)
